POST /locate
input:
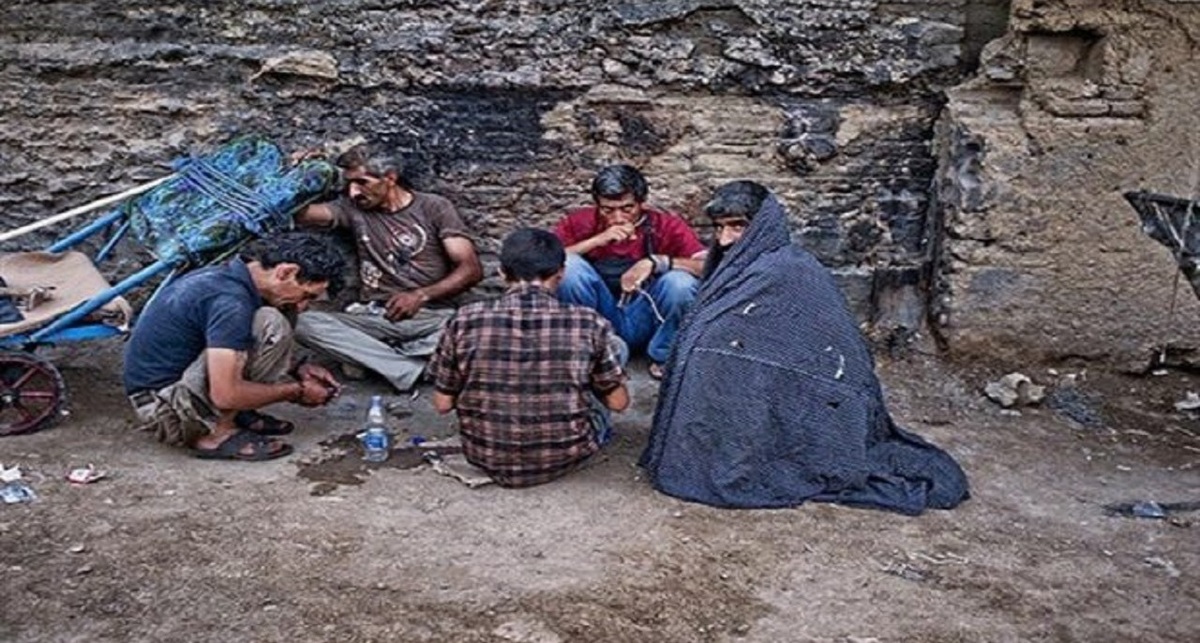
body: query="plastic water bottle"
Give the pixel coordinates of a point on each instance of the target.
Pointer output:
(376, 439)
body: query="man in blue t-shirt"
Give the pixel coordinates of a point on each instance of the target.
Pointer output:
(213, 346)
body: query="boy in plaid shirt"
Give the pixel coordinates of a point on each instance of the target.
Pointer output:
(531, 378)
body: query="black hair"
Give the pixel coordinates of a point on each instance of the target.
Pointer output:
(736, 199)
(613, 181)
(360, 157)
(527, 254)
(315, 254)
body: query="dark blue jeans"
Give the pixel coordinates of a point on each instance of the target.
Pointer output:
(636, 320)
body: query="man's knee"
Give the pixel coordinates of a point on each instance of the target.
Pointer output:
(271, 328)
(678, 285)
(274, 344)
(313, 324)
(577, 270)
(176, 417)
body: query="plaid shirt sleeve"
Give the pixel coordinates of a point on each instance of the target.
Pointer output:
(447, 378)
(607, 373)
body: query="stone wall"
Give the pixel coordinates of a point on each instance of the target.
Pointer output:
(1042, 257)
(508, 106)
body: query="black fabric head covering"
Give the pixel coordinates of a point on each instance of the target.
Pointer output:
(748, 200)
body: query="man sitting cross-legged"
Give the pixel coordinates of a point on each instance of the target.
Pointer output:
(416, 261)
(213, 346)
(532, 378)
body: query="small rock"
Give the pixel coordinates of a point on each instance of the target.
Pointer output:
(314, 64)
(85, 569)
(77, 549)
(1015, 389)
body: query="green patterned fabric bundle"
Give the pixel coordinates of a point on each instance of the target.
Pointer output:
(218, 201)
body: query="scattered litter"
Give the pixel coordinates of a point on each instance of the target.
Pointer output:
(906, 571)
(1164, 564)
(10, 474)
(1150, 509)
(1190, 402)
(939, 559)
(85, 475)
(17, 491)
(455, 465)
(452, 444)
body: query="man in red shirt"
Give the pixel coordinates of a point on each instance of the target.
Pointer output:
(634, 264)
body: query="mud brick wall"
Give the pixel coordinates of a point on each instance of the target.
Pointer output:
(508, 106)
(1043, 258)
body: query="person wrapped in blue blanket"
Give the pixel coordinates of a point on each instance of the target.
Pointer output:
(770, 397)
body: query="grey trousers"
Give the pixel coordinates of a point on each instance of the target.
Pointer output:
(396, 350)
(180, 413)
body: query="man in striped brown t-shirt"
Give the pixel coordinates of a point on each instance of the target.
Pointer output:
(531, 378)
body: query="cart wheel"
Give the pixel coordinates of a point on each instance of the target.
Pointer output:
(32, 393)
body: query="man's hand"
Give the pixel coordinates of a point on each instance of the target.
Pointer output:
(319, 375)
(637, 275)
(403, 305)
(314, 393)
(615, 233)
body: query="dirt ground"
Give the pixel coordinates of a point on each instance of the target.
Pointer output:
(170, 548)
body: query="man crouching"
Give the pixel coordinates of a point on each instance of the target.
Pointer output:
(532, 379)
(213, 346)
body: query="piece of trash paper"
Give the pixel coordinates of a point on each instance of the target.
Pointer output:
(456, 466)
(85, 475)
(16, 491)
(9, 474)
